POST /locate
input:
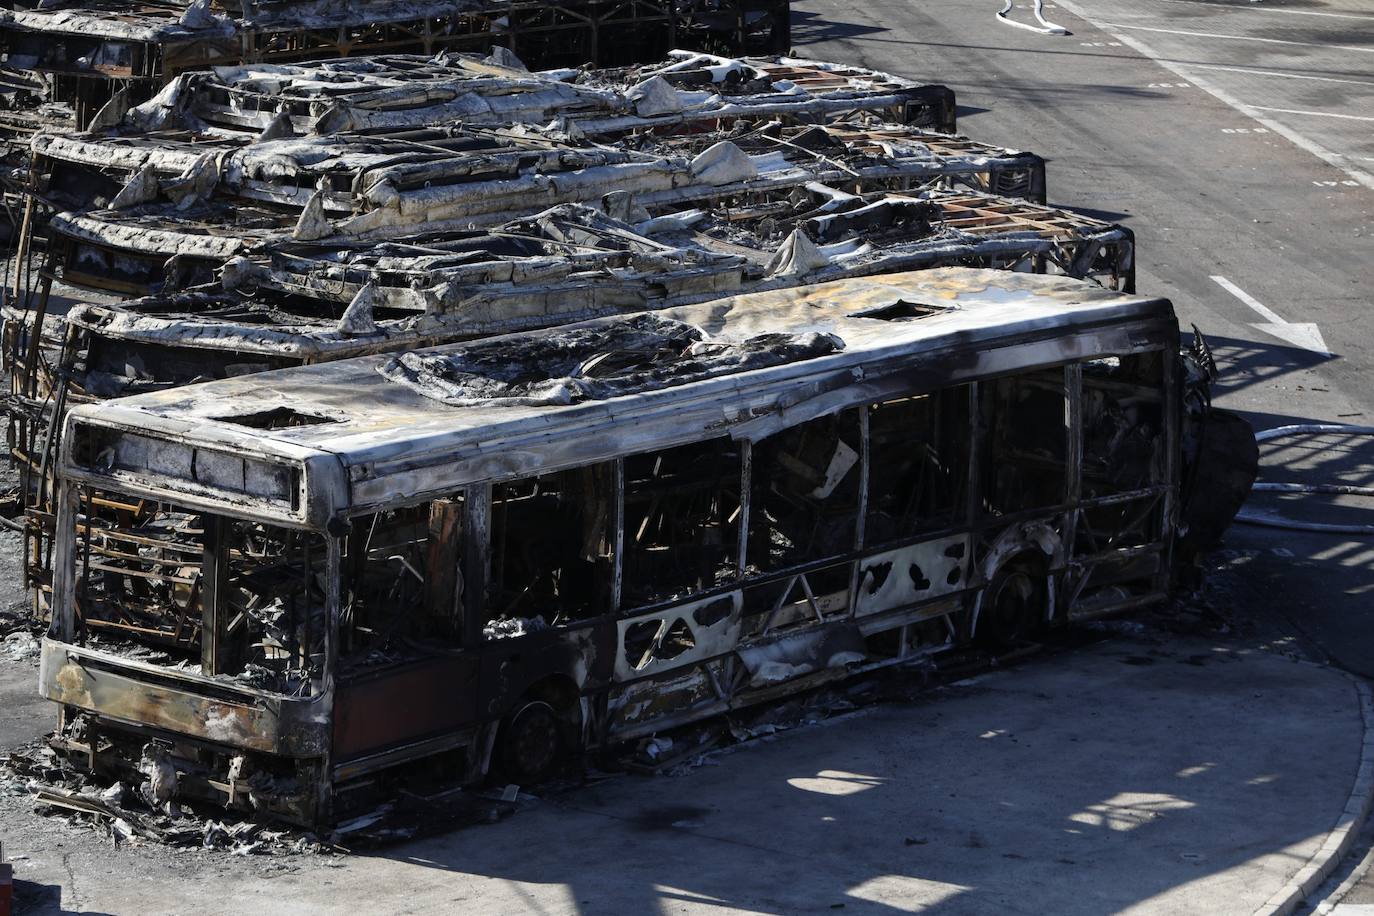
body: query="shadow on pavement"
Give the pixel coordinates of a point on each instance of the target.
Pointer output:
(1181, 772)
(32, 899)
(809, 28)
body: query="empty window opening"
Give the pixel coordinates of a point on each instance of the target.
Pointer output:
(232, 598)
(805, 492)
(918, 453)
(551, 547)
(1123, 449)
(1024, 424)
(682, 508)
(402, 583)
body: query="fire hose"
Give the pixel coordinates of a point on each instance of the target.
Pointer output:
(1274, 521)
(1044, 28)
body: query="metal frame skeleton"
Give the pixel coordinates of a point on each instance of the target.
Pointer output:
(819, 481)
(208, 112)
(357, 186)
(481, 175)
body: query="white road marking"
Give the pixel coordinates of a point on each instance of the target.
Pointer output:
(1271, 9)
(1297, 139)
(1315, 114)
(1248, 299)
(1300, 334)
(1290, 76)
(1269, 41)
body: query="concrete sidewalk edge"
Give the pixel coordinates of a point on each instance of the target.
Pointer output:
(1342, 835)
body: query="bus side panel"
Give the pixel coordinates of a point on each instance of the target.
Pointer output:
(395, 707)
(916, 572)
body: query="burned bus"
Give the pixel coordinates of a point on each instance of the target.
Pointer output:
(63, 61)
(314, 585)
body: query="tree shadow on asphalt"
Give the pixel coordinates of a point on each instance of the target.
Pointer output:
(1099, 824)
(1247, 363)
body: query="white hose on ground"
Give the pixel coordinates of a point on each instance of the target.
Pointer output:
(1045, 27)
(1274, 521)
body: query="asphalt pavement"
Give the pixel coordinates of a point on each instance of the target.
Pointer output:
(1149, 774)
(1236, 139)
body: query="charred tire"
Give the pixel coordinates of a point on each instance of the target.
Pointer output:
(1014, 606)
(531, 743)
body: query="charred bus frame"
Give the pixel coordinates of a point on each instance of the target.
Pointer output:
(358, 184)
(489, 555)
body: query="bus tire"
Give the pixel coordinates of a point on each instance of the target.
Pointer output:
(531, 743)
(1014, 605)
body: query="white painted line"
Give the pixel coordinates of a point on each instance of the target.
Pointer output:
(1297, 139)
(1300, 334)
(1314, 114)
(1290, 76)
(1269, 41)
(1271, 9)
(1248, 299)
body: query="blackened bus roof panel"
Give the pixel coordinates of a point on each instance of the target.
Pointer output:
(396, 443)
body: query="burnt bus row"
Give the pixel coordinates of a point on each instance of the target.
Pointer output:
(559, 408)
(62, 62)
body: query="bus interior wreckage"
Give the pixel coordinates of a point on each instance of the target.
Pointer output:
(310, 585)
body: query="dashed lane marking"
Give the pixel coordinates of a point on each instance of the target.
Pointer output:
(1314, 114)
(1275, 73)
(1269, 41)
(1293, 136)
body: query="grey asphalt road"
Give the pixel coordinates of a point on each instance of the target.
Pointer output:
(1235, 139)
(1151, 774)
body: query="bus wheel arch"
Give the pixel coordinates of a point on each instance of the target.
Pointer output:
(541, 730)
(1019, 595)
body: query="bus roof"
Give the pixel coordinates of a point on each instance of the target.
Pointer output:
(430, 421)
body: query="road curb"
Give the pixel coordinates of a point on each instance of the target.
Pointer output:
(1342, 835)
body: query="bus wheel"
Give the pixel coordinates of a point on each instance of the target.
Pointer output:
(1013, 607)
(531, 743)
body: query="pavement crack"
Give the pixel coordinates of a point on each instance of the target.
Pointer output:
(71, 880)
